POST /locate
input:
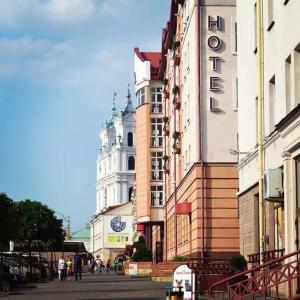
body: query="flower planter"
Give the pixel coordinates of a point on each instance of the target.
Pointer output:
(143, 268)
(177, 60)
(177, 104)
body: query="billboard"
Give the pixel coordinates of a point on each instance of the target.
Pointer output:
(117, 231)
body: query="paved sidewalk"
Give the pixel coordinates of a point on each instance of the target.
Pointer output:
(92, 287)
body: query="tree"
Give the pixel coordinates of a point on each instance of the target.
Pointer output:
(37, 221)
(142, 253)
(7, 220)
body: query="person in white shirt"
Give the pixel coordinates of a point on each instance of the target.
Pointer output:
(61, 268)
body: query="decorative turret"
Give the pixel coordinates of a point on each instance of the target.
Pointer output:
(114, 112)
(128, 107)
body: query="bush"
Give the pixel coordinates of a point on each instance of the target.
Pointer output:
(179, 258)
(238, 263)
(142, 253)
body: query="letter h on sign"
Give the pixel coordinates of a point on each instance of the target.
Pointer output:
(212, 22)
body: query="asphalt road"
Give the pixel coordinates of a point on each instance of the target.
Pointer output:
(92, 287)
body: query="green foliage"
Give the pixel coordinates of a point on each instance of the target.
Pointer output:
(238, 263)
(175, 45)
(175, 90)
(7, 218)
(142, 253)
(179, 258)
(29, 220)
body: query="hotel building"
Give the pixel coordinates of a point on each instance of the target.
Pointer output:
(281, 125)
(199, 67)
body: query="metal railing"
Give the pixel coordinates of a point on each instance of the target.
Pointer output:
(276, 278)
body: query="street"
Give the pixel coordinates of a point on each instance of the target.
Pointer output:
(92, 287)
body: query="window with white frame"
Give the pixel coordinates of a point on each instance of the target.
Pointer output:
(272, 103)
(271, 21)
(288, 95)
(235, 101)
(156, 100)
(157, 195)
(140, 96)
(156, 132)
(157, 166)
(233, 35)
(297, 73)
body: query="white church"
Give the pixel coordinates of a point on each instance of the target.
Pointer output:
(115, 174)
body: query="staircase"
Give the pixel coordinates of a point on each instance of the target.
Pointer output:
(162, 272)
(276, 279)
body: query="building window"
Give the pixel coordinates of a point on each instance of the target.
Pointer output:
(255, 25)
(140, 96)
(156, 100)
(271, 21)
(157, 166)
(272, 103)
(297, 73)
(130, 193)
(288, 86)
(157, 195)
(131, 163)
(130, 139)
(298, 181)
(235, 102)
(233, 35)
(156, 132)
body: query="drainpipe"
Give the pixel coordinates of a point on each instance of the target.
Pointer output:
(175, 171)
(260, 128)
(166, 191)
(199, 121)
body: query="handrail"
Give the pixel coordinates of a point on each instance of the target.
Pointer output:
(251, 271)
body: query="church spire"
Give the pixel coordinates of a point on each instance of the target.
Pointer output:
(128, 106)
(114, 108)
(128, 102)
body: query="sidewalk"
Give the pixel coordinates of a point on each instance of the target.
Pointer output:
(92, 287)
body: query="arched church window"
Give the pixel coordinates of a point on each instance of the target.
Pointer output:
(131, 163)
(130, 193)
(130, 139)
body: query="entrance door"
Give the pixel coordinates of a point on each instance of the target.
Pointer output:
(158, 252)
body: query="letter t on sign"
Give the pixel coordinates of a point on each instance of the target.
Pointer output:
(212, 22)
(214, 59)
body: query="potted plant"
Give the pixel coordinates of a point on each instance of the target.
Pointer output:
(175, 45)
(165, 119)
(175, 90)
(177, 147)
(166, 129)
(165, 157)
(176, 103)
(176, 135)
(165, 81)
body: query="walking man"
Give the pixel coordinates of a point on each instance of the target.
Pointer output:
(77, 262)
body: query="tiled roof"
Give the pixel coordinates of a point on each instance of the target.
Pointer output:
(153, 57)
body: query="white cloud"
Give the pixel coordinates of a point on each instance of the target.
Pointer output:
(69, 10)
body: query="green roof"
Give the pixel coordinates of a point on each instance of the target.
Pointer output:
(82, 233)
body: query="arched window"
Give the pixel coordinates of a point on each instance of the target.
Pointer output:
(130, 139)
(131, 163)
(130, 193)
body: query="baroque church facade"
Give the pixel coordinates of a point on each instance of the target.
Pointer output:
(115, 168)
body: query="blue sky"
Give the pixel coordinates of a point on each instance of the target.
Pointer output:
(60, 62)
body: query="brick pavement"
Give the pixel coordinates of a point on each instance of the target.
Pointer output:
(92, 287)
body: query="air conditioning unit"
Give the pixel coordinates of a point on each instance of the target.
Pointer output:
(273, 187)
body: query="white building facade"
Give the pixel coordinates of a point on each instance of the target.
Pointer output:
(115, 165)
(281, 124)
(116, 160)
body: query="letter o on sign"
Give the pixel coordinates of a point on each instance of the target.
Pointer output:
(214, 42)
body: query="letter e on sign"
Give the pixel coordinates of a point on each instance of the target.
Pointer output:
(213, 84)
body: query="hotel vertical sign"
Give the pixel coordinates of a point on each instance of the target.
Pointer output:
(215, 44)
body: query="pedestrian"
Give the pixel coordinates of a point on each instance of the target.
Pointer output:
(98, 264)
(108, 264)
(116, 264)
(77, 262)
(61, 268)
(92, 264)
(69, 268)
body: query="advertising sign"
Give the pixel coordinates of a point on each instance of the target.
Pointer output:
(117, 231)
(132, 269)
(184, 277)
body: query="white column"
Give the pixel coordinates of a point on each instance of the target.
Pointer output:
(289, 204)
